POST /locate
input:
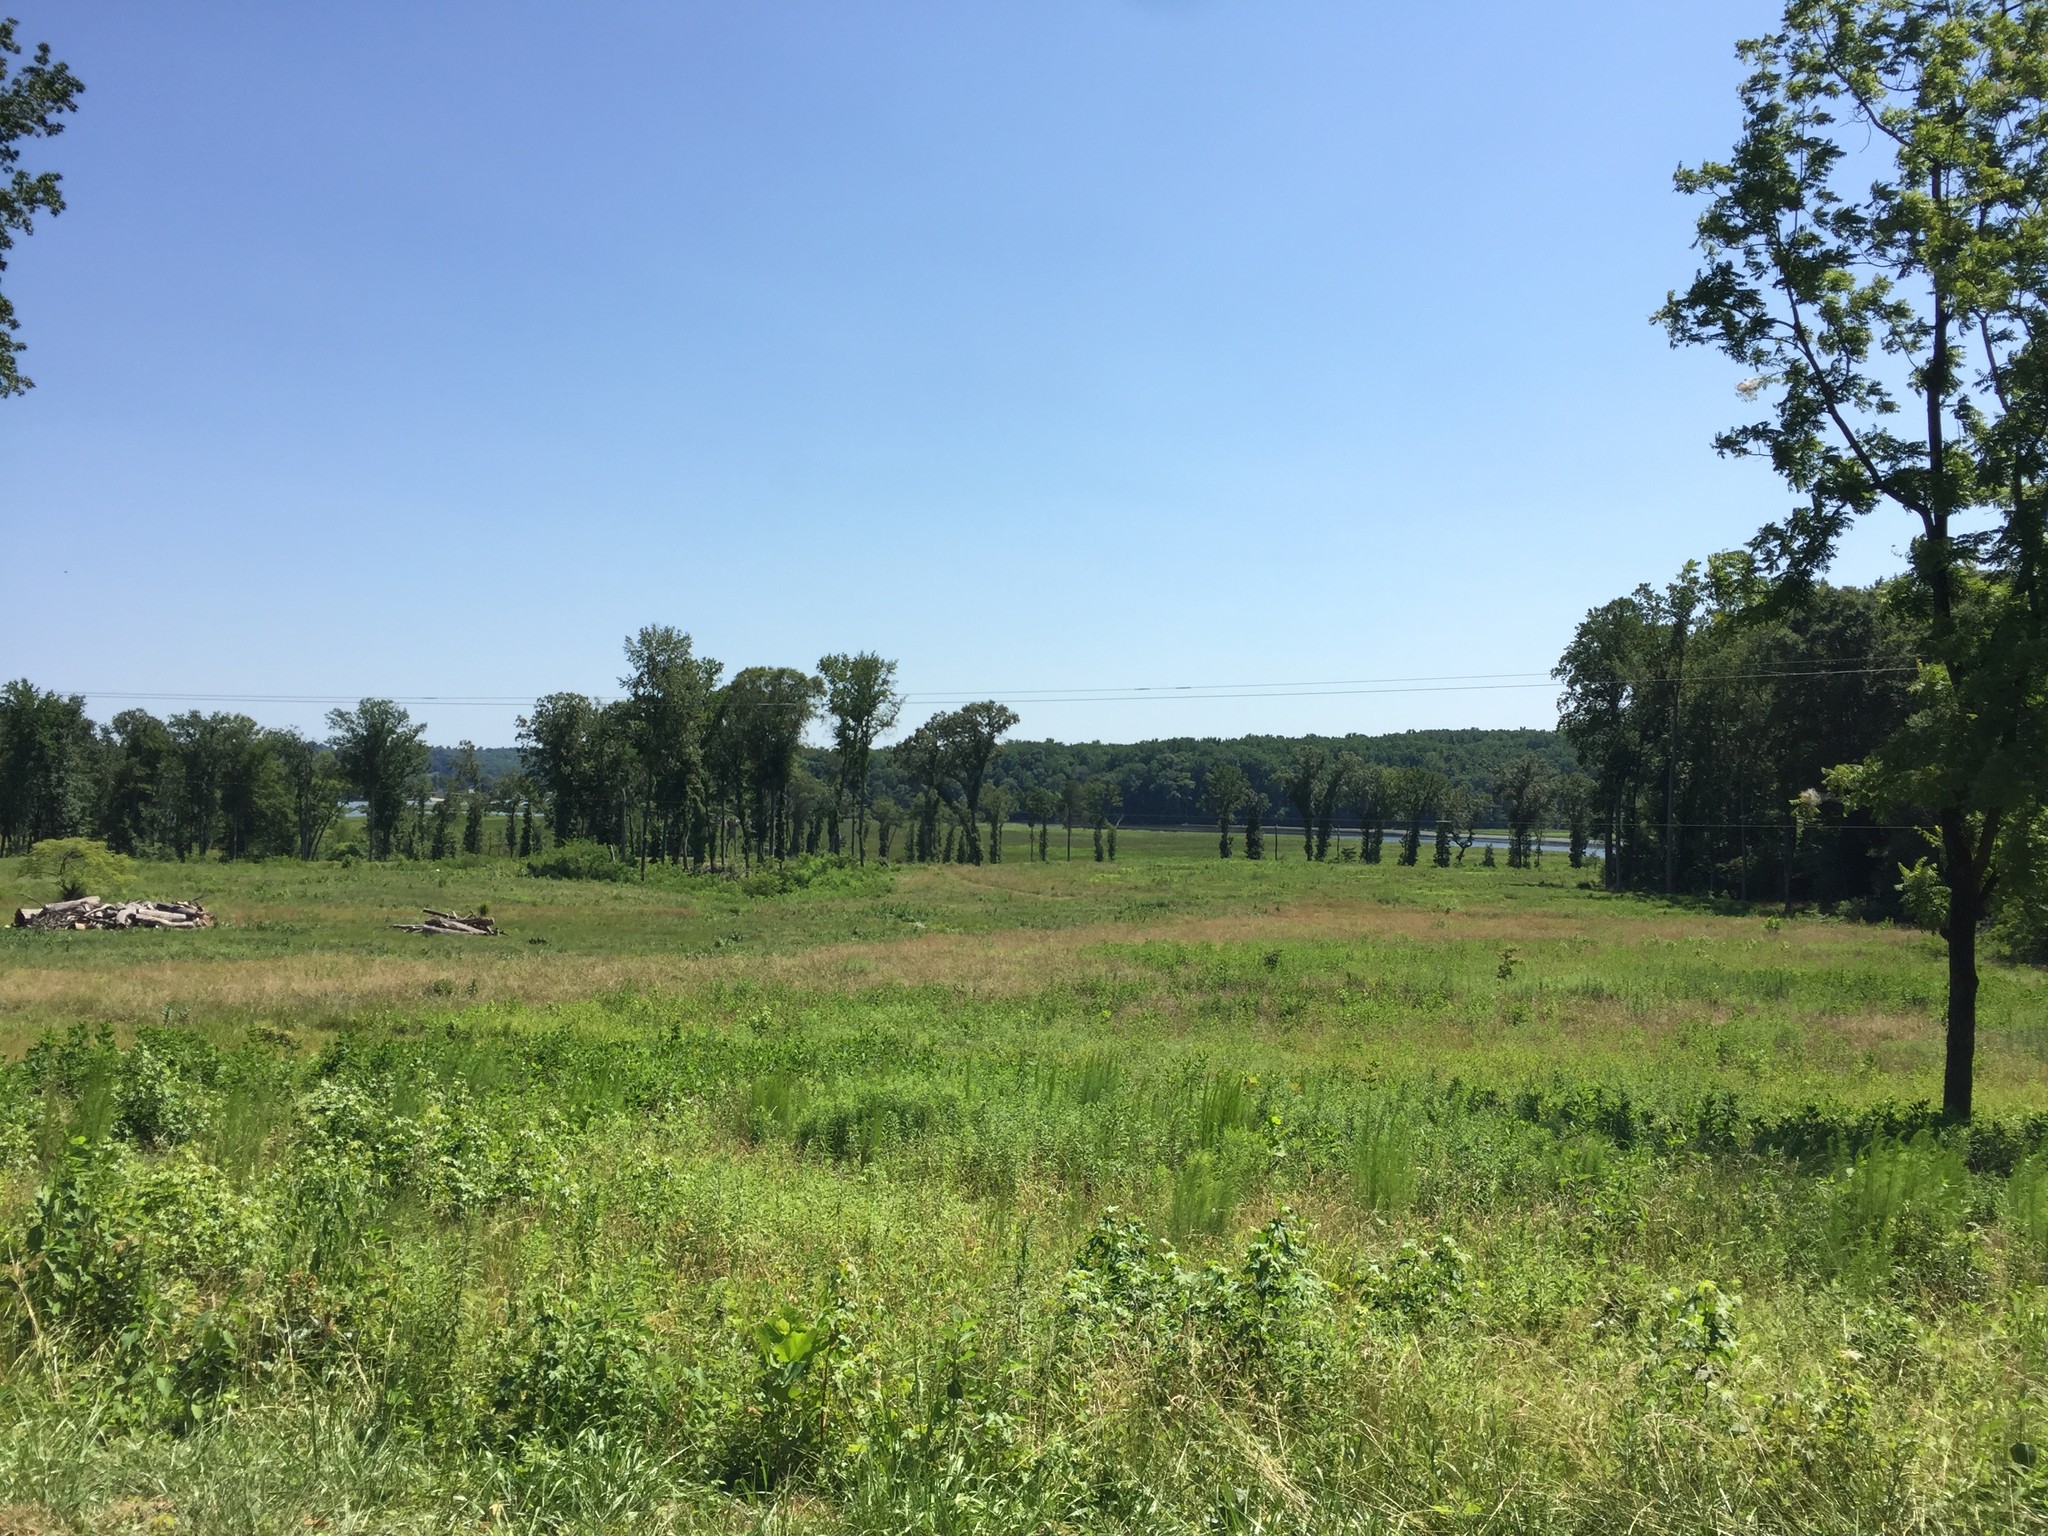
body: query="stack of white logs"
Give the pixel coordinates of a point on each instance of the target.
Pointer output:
(453, 923)
(91, 912)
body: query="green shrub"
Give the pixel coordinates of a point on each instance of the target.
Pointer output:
(822, 874)
(579, 861)
(77, 867)
(1698, 1335)
(79, 1274)
(155, 1105)
(351, 1124)
(1420, 1284)
(571, 1364)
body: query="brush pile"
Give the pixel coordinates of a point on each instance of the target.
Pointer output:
(455, 924)
(91, 912)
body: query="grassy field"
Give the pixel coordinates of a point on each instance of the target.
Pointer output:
(1165, 1195)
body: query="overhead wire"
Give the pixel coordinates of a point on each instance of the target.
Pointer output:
(1106, 694)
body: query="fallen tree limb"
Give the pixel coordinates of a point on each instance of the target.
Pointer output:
(452, 924)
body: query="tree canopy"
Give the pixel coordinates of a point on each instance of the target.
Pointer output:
(34, 98)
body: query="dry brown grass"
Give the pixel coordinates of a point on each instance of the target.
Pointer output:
(319, 987)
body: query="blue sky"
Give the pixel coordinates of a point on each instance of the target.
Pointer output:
(425, 350)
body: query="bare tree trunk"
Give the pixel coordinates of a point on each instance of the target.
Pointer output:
(1965, 871)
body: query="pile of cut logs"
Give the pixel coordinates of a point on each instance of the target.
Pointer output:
(91, 912)
(453, 923)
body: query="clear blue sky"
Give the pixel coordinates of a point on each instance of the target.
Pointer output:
(428, 349)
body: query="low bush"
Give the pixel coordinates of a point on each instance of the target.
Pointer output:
(77, 866)
(579, 861)
(824, 875)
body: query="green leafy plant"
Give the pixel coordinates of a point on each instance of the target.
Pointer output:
(579, 861)
(78, 866)
(156, 1105)
(1421, 1283)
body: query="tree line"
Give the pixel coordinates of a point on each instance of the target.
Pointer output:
(686, 767)
(1708, 714)
(689, 767)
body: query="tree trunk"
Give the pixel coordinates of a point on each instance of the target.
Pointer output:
(1966, 866)
(1959, 1066)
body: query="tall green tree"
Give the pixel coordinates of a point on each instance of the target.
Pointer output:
(1344, 766)
(995, 810)
(33, 99)
(46, 765)
(1255, 805)
(667, 709)
(312, 786)
(580, 755)
(466, 772)
(1523, 792)
(1573, 797)
(959, 747)
(251, 791)
(1223, 792)
(443, 843)
(379, 753)
(1415, 792)
(767, 709)
(861, 698)
(1872, 255)
(144, 786)
(212, 751)
(1457, 821)
(1369, 791)
(1073, 808)
(1040, 806)
(1307, 779)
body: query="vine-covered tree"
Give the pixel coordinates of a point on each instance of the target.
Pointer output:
(1368, 791)
(1255, 805)
(1223, 792)
(1523, 792)
(1308, 778)
(1415, 792)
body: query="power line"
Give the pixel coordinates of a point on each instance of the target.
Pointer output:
(1479, 682)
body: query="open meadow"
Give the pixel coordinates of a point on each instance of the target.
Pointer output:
(1165, 1194)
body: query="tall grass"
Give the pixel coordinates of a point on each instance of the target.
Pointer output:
(1139, 1233)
